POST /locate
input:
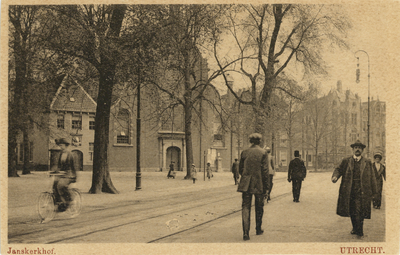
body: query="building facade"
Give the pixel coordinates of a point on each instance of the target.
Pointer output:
(324, 129)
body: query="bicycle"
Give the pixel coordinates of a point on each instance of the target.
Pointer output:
(48, 205)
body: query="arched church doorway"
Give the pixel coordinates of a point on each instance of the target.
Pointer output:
(174, 154)
(79, 157)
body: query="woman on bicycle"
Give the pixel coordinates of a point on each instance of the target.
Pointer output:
(67, 166)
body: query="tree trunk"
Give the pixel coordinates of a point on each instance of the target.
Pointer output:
(25, 168)
(188, 140)
(12, 154)
(316, 157)
(101, 180)
(188, 115)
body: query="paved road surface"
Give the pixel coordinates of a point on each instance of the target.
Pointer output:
(177, 211)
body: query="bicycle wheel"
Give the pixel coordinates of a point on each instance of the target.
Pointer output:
(45, 207)
(75, 206)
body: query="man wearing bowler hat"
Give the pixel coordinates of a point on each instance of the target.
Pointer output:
(296, 173)
(357, 188)
(253, 169)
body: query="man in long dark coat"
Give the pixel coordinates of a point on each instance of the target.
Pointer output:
(253, 168)
(296, 174)
(357, 188)
(235, 170)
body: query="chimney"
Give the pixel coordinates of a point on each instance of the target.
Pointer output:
(339, 86)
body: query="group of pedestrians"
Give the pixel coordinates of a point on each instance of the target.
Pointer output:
(193, 172)
(357, 190)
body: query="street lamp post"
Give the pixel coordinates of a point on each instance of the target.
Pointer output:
(358, 80)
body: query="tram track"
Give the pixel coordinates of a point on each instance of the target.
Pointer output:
(129, 213)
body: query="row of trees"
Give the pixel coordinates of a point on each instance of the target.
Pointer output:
(114, 45)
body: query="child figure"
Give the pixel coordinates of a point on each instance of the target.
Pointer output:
(193, 173)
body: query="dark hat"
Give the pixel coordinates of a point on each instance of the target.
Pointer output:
(378, 155)
(296, 154)
(358, 143)
(62, 141)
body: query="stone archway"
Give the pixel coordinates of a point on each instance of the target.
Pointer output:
(79, 156)
(174, 154)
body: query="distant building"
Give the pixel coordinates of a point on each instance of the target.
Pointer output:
(72, 115)
(325, 128)
(377, 126)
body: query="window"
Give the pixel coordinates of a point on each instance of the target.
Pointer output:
(76, 121)
(218, 140)
(354, 118)
(378, 139)
(122, 126)
(364, 126)
(91, 151)
(309, 159)
(354, 104)
(283, 140)
(217, 137)
(91, 120)
(60, 121)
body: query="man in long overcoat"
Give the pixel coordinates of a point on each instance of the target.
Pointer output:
(253, 168)
(357, 188)
(235, 170)
(296, 173)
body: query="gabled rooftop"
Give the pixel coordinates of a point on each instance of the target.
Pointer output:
(71, 96)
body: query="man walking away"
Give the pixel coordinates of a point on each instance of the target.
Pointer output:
(357, 188)
(253, 168)
(296, 174)
(235, 171)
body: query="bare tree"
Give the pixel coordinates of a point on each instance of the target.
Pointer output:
(189, 28)
(277, 37)
(32, 72)
(317, 120)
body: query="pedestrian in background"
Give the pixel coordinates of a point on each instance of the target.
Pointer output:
(271, 172)
(193, 173)
(171, 172)
(380, 174)
(235, 171)
(209, 171)
(357, 188)
(296, 174)
(253, 169)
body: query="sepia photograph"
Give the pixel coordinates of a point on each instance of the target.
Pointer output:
(200, 127)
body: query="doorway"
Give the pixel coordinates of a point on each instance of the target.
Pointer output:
(79, 156)
(174, 154)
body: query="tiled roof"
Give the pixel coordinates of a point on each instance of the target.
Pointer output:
(72, 97)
